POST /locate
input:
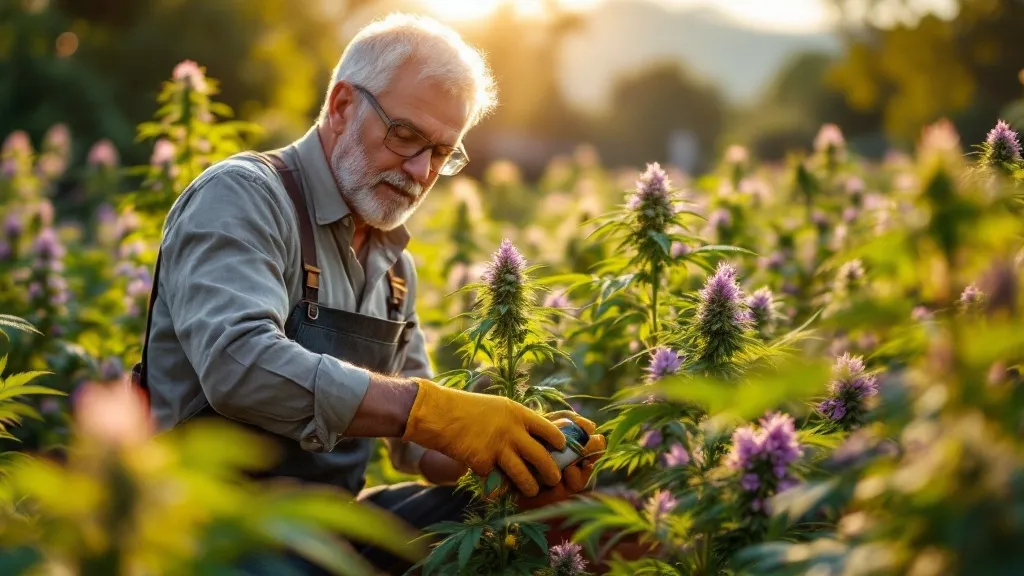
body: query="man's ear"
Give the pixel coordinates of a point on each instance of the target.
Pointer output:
(340, 107)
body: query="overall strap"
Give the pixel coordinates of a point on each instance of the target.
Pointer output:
(398, 291)
(138, 376)
(311, 283)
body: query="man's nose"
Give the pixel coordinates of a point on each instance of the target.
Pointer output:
(419, 167)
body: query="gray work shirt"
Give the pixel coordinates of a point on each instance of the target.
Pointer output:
(229, 277)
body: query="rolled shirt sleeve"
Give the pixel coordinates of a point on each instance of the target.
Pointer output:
(406, 456)
(225, 279)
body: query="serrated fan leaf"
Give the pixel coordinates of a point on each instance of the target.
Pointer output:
(23, 378)
(440, 554)
(535, 532)
(715, 248)
(9, 393)
(662, 241)
(17, 323)
(468, 544)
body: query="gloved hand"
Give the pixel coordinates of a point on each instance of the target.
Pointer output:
(485, 431)
(576, 476)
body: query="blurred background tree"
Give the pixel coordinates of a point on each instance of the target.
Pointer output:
(915, 68)
(681, 93)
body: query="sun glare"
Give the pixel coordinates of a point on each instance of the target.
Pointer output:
(461, 10)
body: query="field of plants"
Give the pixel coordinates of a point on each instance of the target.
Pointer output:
(809, 367)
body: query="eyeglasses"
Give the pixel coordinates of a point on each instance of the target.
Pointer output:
(407, 142)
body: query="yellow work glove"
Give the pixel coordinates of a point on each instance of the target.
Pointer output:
(485, 431)
(576, 476)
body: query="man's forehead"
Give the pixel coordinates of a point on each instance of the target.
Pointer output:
(427, 106)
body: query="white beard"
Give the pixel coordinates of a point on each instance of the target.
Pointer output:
(380, 210)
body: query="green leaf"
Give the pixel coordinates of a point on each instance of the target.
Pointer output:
(9, 393)
(468, 544)
(23, 378)
(331, 553)
(715, 248)
(794, 504)
(662, 241)
(535, 532)
(440, 554)
(3, 363)
(17, 324)
(752, 396)
(492, 482)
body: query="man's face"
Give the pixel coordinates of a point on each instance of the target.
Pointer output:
(380, 186)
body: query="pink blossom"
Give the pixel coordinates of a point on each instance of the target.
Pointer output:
(190, 73)
(113, 415)
(163, 153)
(103, 154)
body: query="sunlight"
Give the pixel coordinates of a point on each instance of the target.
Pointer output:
(462, 10)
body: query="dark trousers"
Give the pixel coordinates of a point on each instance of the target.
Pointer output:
(417, 504)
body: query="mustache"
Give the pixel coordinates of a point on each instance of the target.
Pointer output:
(400, 181)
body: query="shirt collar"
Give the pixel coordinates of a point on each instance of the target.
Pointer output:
(328, 205)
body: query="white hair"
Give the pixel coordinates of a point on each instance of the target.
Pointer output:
(382, 46)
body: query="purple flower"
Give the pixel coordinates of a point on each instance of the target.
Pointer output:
(13, 226)
(971, 298)
(652, 189)
(921, 314)
(559, 301)
(57, 138)
(664, 362)
(679, 249)
(763, 456)
(127, 223)
(676, 456)
(762, 307)
(820, 219)
(190, 73)
(849, 388)
(138, 288)
(17, 143)
(850, 214)
(829, 138)
(780, 440)
(719, 219)
(736, 154)
(1002, 146)
(5, 250)
(651, 439)
(722, 293)
(746, 444)
(163, 153)
(940, 138)
(722, 318)
(507, 266)
(833, 408)
(111, 369)
(654, 182)
(849, 274)
(103, 154)
(660, 504)
(854, 186)
(566, 559)
(48, 246)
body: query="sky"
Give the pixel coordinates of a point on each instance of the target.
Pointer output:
(782, 15)
(793, 16)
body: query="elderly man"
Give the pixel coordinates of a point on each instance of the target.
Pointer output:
(285, 298)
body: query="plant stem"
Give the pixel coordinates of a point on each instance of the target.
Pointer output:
(655, 278)
(510, 370)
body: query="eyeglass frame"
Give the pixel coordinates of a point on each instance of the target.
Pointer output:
(430, 144)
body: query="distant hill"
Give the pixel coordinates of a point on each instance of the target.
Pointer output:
(739, 59)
